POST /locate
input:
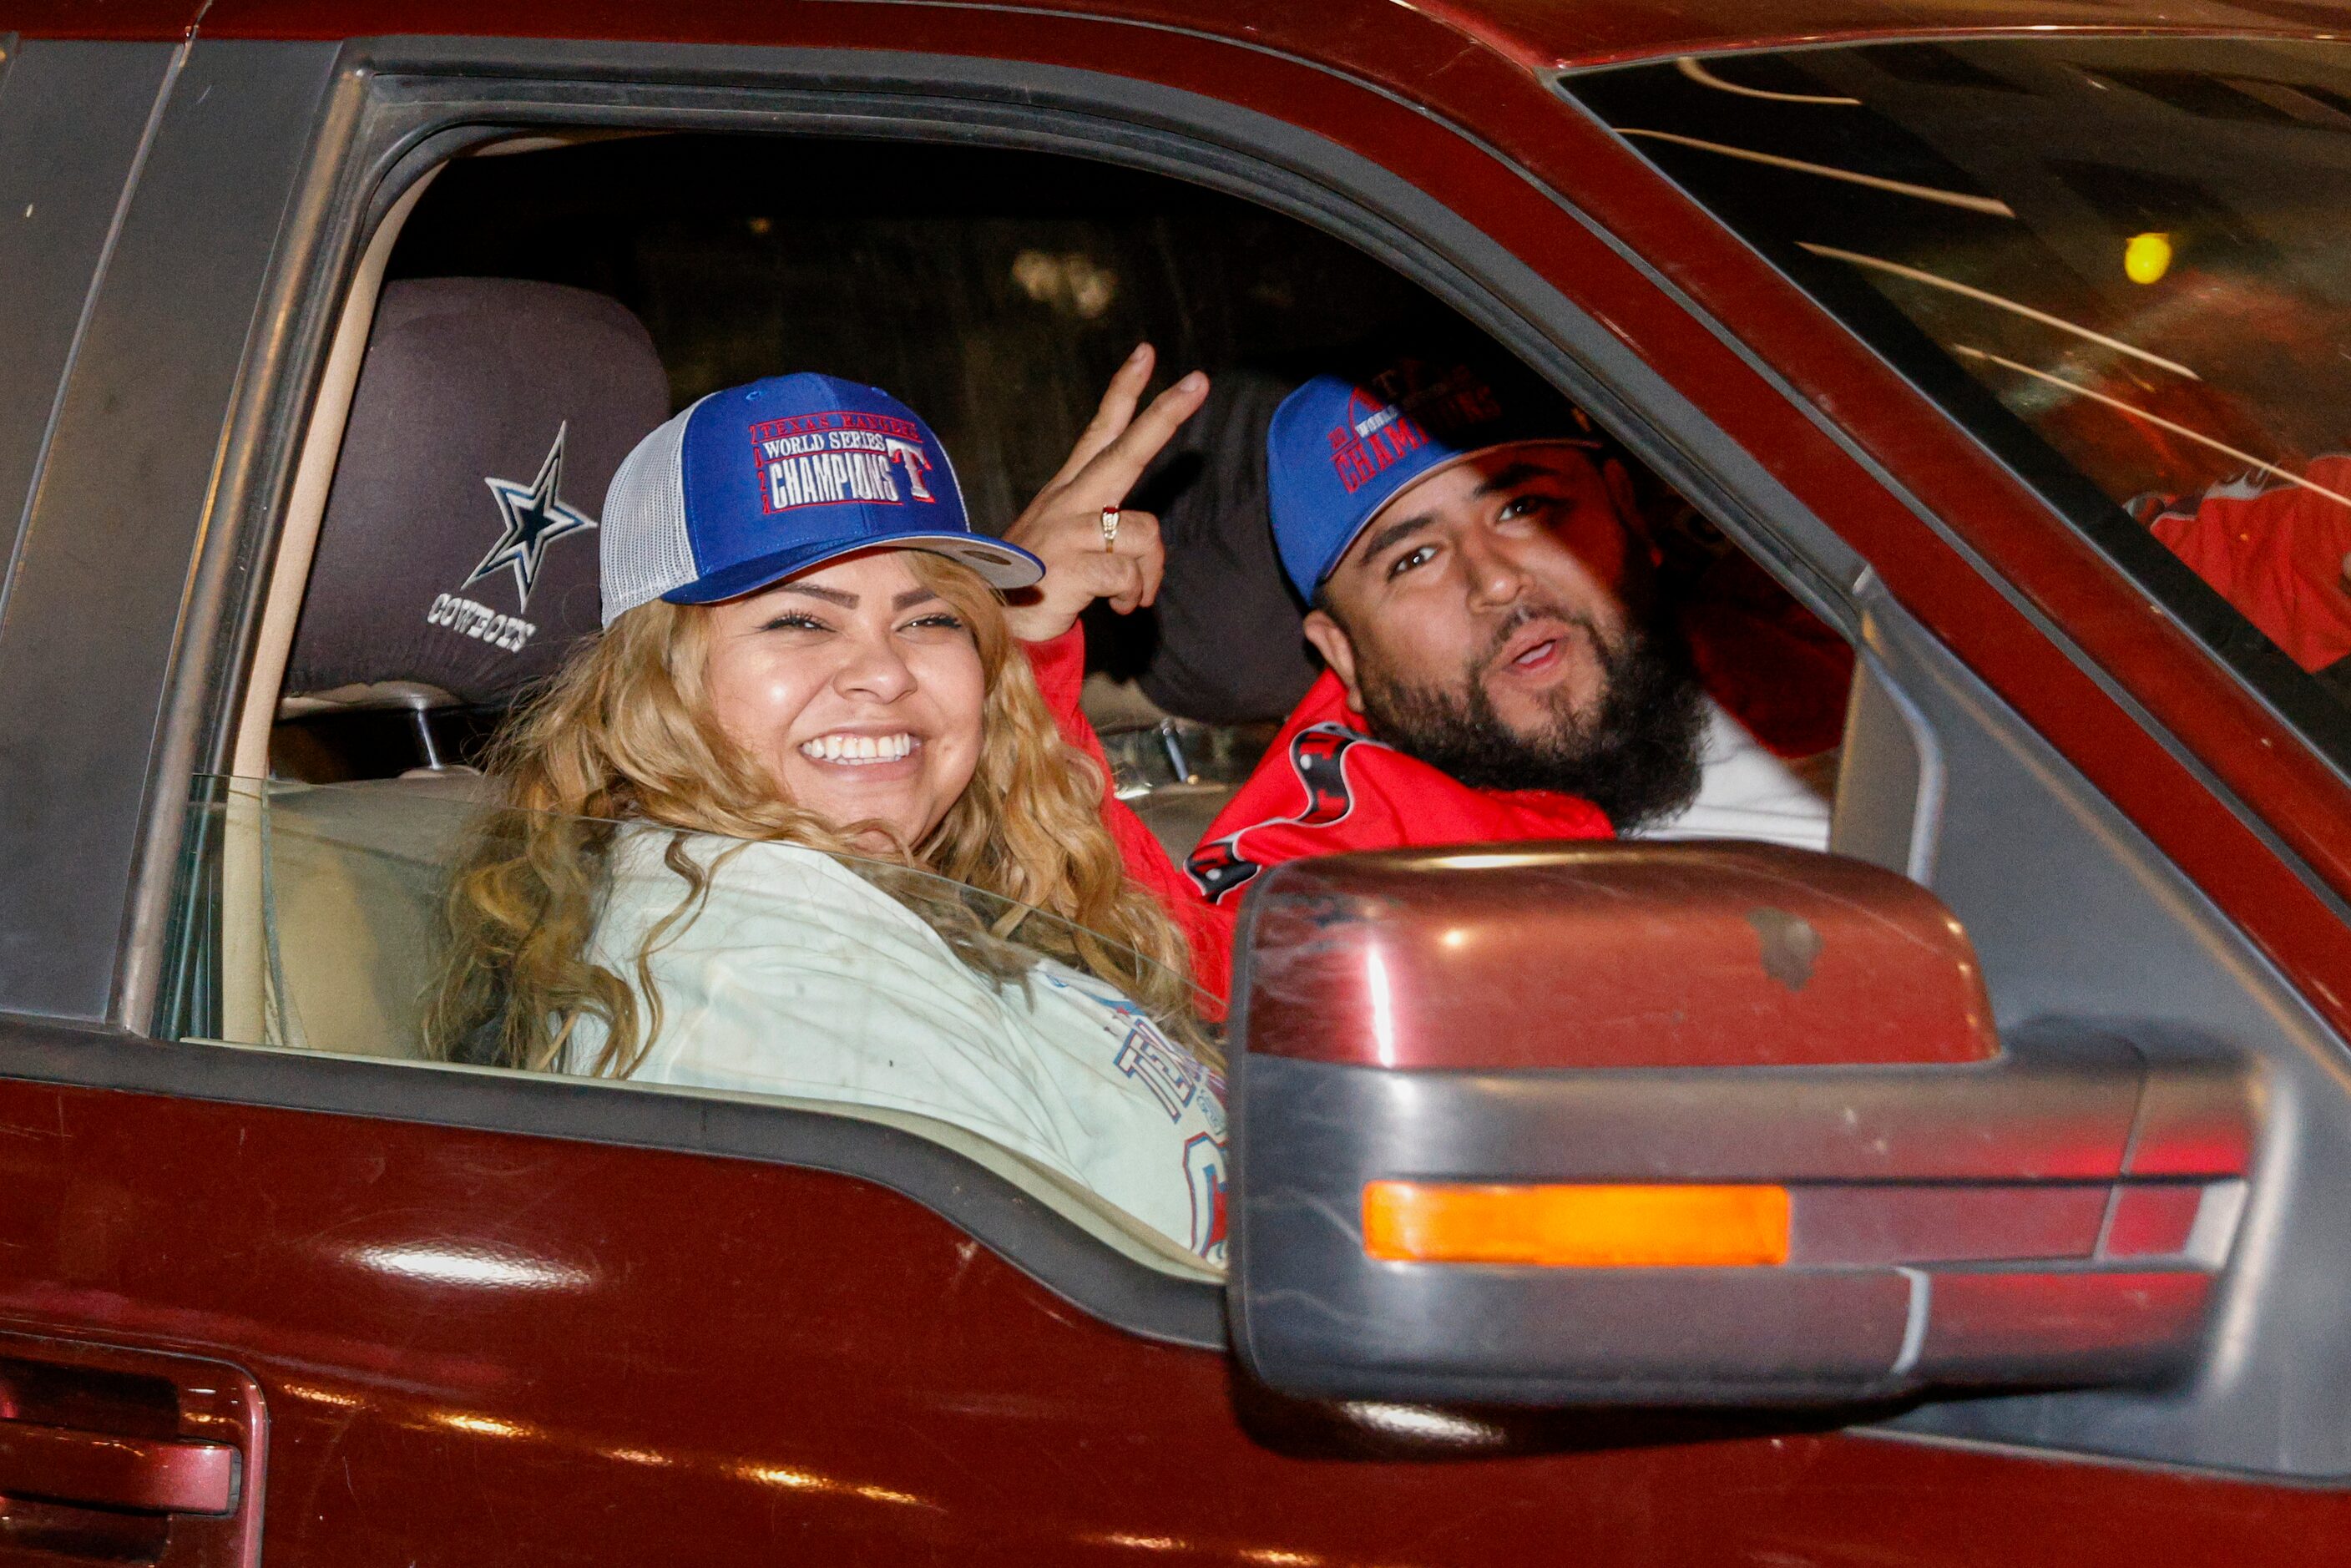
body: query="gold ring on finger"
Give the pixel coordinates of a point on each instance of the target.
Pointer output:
(1110, 528)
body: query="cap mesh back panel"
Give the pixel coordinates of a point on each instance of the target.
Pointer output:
(644, 548)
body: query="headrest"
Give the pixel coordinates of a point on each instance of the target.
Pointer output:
(456, 561)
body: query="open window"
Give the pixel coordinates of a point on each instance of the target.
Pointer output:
(995, 291)
(521, 316)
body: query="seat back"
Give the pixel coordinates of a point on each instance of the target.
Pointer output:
(456, 566)
(354, 880)
(456, 562)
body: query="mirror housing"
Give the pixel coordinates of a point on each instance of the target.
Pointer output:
(1694, 1124)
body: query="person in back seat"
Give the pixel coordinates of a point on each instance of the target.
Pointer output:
(1503, 661)
(729, 811)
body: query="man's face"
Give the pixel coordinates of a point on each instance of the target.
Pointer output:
(1494, 621)
(1430, 585)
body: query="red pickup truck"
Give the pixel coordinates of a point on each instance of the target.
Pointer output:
(1960, 1195)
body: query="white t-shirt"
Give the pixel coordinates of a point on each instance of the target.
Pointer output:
(1748, 793)
(800, 978)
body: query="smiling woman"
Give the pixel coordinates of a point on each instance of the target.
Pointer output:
(718, 861)
(857, 686)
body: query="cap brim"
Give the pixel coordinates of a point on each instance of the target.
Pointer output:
(1431, 472)
(1001, 565)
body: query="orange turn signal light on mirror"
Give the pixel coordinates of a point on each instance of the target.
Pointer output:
(1576, 1226)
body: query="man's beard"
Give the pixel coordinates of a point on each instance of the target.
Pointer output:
(1635, 757)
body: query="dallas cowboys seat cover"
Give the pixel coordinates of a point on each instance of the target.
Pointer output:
(458, 549)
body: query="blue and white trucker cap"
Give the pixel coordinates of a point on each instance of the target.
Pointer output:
(1339, 449)
(756, 483)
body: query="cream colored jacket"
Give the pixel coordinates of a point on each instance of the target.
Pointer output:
(800, 979)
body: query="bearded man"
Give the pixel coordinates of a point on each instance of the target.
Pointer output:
(1502, 658)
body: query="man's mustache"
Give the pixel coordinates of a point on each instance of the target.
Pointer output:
(1520, 615)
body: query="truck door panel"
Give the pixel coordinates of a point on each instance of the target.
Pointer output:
(73, 117)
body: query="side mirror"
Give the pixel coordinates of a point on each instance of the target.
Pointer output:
(1726, 1123)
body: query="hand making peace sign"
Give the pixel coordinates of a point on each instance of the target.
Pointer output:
(1063, 525)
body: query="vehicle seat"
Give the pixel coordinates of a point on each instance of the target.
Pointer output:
(456, 566)
(1176, 774)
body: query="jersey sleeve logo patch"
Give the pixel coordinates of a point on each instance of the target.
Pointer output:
(1318, 758)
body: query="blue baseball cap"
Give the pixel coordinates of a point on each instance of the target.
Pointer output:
(1339, 449)
(754, 483)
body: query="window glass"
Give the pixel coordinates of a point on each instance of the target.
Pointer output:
(365, 919)
(2120, 261)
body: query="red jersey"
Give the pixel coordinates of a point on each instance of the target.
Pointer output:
(1326, 787)
(1061, 670)
(2272, 549)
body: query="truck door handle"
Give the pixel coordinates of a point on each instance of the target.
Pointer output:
(98, 1469)
(127, 1453)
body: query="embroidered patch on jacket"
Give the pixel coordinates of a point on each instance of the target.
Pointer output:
(1317, 756)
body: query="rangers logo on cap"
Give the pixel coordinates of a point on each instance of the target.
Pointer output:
(834, 467)
(1340, 449)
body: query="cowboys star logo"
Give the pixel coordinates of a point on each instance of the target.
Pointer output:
(534, 517)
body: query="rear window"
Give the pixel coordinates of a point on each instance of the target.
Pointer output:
(2121, 263)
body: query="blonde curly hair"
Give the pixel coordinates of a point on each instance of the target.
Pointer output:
(625, 735)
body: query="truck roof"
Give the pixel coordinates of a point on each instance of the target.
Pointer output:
(1533, 34)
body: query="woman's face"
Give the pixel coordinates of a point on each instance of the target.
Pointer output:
(856, 687)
